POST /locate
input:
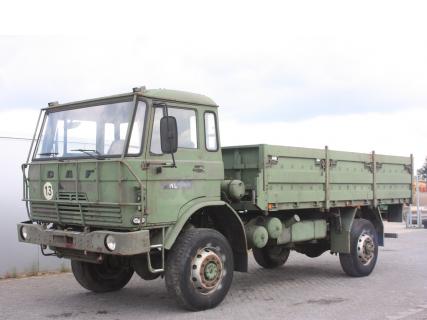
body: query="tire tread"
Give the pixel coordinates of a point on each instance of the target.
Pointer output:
(348, 261)
(178, 256)
(83, 273)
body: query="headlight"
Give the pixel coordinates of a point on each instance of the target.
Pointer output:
(110, 242)
(24, 233)
(138, 220)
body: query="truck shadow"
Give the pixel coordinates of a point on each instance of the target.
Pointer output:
(142, 295)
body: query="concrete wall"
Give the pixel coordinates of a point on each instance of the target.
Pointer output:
(16, 257)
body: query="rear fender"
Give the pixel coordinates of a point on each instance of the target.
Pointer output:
(340, 239)
(374, 215)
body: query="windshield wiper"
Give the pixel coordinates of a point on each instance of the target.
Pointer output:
(90, 153)
(48, 154)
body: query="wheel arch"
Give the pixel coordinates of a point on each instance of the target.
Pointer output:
(340, 236)
(374, 216)
(225, 220)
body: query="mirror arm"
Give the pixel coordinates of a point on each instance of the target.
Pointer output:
(165, 106)
(173, 160)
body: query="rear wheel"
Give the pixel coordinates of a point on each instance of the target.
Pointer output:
(111, 275)
(199, 269)
(363, 249)
(271, 257)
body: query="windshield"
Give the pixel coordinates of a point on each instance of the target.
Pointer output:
(97, 131)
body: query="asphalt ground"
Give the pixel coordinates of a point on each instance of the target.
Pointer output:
(304, 288)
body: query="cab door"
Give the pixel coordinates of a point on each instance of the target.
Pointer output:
(169, 188)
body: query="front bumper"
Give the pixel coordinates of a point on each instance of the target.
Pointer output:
(127, 243)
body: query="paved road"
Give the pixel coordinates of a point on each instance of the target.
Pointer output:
(303, 289)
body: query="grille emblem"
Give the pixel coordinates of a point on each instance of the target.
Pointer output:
(48, 191)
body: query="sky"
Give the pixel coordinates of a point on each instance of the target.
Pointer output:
(350, 75)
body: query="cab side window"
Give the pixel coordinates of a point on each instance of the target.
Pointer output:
(211, 137)
(187, 128)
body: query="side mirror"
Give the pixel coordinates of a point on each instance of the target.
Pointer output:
(168, 134)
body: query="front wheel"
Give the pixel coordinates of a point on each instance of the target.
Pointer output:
(363, 249)
(199, 269)
(111, 275)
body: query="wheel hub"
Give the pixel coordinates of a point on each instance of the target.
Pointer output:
(206, 270)
(365, 248)
(211, 271)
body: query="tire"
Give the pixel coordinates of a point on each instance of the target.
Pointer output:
(361, 260)
(271, 257)
(313, 250)
(111, 275)
(140, 265)
(199, 269)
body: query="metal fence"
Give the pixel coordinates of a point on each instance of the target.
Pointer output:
(416, 216)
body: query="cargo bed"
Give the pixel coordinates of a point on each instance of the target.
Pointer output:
(285, 178)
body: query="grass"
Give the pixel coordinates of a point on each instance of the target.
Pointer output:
(33, 271)
(11, 275)
(64, 268)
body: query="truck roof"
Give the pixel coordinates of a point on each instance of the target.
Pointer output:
(181, 96)
(160, 94)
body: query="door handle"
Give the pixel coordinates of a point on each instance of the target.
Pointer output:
(199, 168)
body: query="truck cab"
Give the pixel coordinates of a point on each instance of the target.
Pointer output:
(107, 153)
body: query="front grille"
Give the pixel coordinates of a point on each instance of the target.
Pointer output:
(72, 196)
(73, 213)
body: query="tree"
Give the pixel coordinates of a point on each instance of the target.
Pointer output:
(422, 172)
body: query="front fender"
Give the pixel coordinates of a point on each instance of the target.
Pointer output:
(225, 220)
(186, 212)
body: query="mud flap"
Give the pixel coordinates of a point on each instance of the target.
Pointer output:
(340, 232)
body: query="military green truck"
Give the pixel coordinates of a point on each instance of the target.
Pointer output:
(138, 183)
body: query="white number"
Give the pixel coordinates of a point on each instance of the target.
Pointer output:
(48, 191)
